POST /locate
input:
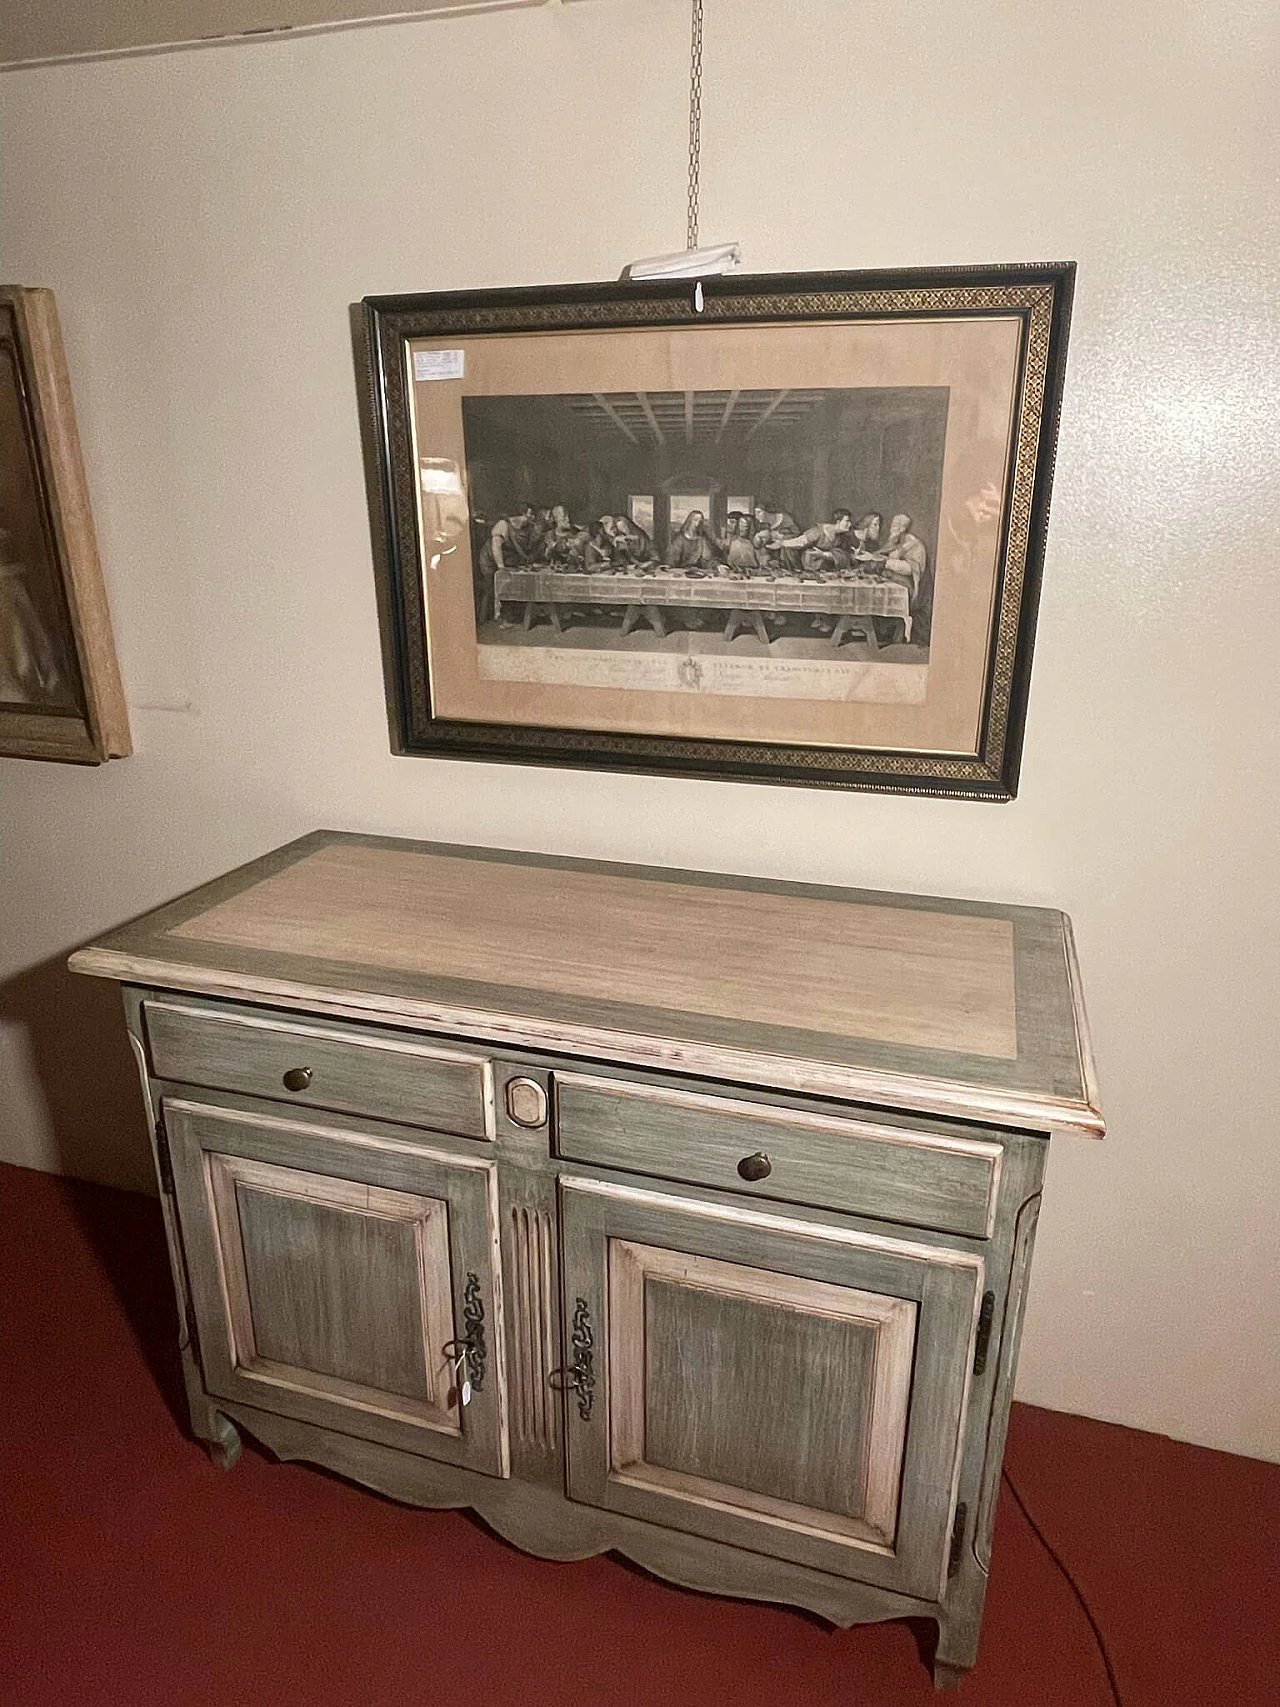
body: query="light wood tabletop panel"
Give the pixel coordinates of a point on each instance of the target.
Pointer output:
(957, 1007)
(938, 981)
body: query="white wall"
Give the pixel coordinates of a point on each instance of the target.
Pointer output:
(206, 219)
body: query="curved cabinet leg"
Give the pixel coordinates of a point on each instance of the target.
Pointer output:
(224, 1442)
(957, 1649)
(216, 1430)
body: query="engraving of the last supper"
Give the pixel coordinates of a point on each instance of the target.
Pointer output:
(765, 526)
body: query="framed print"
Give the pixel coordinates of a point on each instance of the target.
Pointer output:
(60, 694)
(793, 536)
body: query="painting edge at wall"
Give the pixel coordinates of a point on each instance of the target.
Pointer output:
(60, 629)
(531, 635)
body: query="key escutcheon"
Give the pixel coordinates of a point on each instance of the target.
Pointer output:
(526, 1103)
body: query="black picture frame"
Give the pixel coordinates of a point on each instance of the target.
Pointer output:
(1036, 296)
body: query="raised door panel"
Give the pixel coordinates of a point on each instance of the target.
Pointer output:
(708, 1360)
(794, 1388)
(337, 1288)
(345, 1280)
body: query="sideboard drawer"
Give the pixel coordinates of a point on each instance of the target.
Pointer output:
(386, 1078)
(893, 1173)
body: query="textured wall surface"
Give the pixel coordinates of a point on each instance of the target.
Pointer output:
(206, 219)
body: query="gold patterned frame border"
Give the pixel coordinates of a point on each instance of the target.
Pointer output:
(1039, 294)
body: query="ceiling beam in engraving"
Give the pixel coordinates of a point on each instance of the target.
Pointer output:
(756, 425)
(614, 416)
(650, 417)
(728, 410)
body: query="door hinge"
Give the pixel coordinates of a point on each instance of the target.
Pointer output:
(957, 1539)
(986, 1315)
(164, 1161)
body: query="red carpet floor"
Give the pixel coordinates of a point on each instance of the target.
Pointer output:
(134, 1572)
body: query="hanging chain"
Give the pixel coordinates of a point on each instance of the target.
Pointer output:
(695, 120)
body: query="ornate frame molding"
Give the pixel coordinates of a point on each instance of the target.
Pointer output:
(1039, 295)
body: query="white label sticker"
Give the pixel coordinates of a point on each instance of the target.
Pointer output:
(438, 364)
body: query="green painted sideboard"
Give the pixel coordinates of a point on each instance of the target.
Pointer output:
(683, 1215)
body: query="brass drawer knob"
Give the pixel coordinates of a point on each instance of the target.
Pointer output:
(757, 1166)
(526, 1103)
(297, 1078)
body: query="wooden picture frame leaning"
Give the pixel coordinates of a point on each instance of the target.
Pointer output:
(793, 535)
(60, 692)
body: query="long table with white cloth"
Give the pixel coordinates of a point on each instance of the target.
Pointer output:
(745, 597)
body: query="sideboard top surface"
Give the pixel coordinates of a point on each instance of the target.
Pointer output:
(955, 1007)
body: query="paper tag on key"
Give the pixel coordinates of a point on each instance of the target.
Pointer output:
(462, 1381)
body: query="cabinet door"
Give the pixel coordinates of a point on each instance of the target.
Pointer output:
(338, 1277)
(790, 1387)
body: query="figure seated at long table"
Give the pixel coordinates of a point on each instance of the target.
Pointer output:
(761, 569)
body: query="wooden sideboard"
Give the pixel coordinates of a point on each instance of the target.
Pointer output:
(676, 1214)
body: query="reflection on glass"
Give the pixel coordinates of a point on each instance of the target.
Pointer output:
(30, 671)
(444, 510)
(440, 474)
(33, 645)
